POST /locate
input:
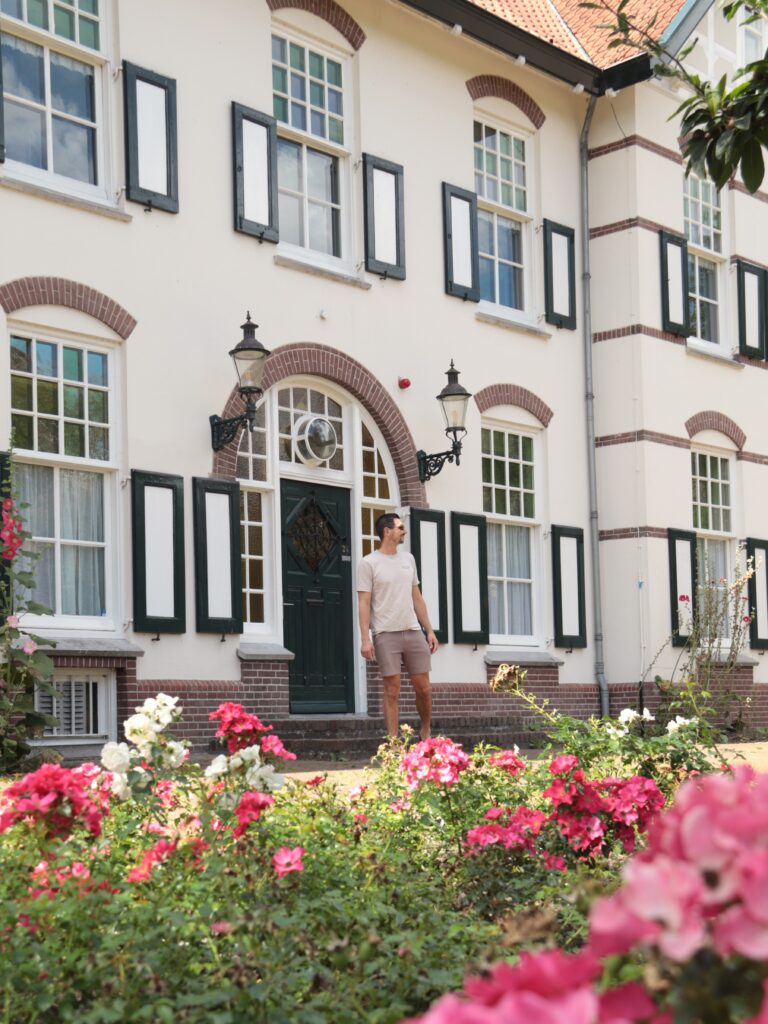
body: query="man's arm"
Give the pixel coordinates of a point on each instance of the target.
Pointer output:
(364, 614)
(420, 607)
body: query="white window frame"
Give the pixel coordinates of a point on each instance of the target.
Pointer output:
(112, 619)
(528, 314)
(755, 28)
(698, 252)
(346, 261)
(107, 697)
(104, 191)
(535, 525)
(704, 537)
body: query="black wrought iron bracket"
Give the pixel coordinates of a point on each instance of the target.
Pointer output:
(224, 432)
(430, 465)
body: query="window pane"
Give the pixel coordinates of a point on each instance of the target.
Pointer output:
(21, 393)
(496, 606)
(82, 505)
(74, 439)
(74, 151)
(37, 13)
(82, 581)
(11, 7)
(97, 369)
(323, 229)
(74, 405)
(35, 484)
(334, 72)
(298, 87)
(298, 116)
(73, 364)
(47, 396)
(297, 57)
(487, 282)
(23, 431)
(97, 406)
(72, 87)
(518, 542)
(510, 286)
(485, 232)
(64, 23)
(291, 228)
(289, 166)
(519, 603)
(278, 49)
(47, 362)
(89, 33)
(25, 135)
(23, 69)
(98, 443)
(322, 176)
(21, 354)
(510, 247)
(495, 549)
(316, 65)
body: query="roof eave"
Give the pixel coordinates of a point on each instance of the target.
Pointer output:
(682, 26)
(513, 41)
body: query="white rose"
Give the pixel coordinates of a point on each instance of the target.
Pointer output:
(218, 766)
(648, 716)
(679, 721)
(264, 778)
(250, 755)
(628, 715)
(616, 733)
(119, 786)
(140, 730)
(235, 762)
(175, 754)
(116, 757)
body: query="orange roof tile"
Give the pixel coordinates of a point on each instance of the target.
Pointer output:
(576, 29)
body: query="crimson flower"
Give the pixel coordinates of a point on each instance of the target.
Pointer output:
(287, 860)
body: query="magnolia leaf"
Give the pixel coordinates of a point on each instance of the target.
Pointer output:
(752, 165)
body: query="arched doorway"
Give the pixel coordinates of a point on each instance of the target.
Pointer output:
(314, 476)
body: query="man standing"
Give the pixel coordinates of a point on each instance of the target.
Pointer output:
(391, 608)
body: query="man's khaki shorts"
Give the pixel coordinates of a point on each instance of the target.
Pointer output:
(408, 646)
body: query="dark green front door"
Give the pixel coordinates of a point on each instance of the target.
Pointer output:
(317, 596)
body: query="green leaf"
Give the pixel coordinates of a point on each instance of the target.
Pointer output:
(752, 166)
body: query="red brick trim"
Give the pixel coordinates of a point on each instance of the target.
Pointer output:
(627, 225)
(58, 291)
(513, 394)
(329, 11)
(711, 420)
(633, 532)
(739, 186)
(630, 436)
(503, 89)
(307, 357)
(641, 143)
(630, 329)
(760, 460)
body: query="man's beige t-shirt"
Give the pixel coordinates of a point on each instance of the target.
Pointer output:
(390, 580)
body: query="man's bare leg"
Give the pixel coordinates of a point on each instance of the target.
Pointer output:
(392, 704)
(423, 692)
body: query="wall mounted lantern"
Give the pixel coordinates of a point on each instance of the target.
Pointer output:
(453, 401)
(249, 357)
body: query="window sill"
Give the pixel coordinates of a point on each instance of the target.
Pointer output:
(707, 350)
(91, 647)
(520, 656)
(249, 651)
(65, 198)
(320, 270)
(492, 315)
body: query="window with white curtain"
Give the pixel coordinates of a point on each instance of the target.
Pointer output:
(62, 417)
(711, 485)
(509, 502)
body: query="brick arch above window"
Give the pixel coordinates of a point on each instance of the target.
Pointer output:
(329, 11)
(503, 89)
(513, 394)
(329, 363)
(58, 291)
(709, 419)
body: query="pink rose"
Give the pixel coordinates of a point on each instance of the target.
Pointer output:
(287, 860)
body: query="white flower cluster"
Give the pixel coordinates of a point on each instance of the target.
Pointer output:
(678, 722)
(144, 730)
(246, 763)
(626, 717)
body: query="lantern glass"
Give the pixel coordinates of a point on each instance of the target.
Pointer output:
(454, 410)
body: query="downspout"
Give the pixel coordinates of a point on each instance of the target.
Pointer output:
(589, 395)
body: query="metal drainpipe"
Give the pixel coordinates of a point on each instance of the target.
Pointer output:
(590, 410)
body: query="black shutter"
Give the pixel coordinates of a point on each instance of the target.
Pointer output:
(218, 602)
(158, 538)
(462, 263)
(560, 275)
(2, 121)
(6, 604)
(752, 311)
(682, 583)
(157, 191)
(427, 530)
(254, 156)
(674, 284)
(469, 555)
(384, 217)
(568, 586)
(757, 551)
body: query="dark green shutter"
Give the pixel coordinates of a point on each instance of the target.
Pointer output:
(674, 284)
(374, 259)
(560, 275)
(2, 121)
(137, 191)
(438, 606)
(264, 174)
(212, 619)
(462, 262)
(567, 587)
(5, 574)
(469, 556)
(757, 551)
(682, 583)
(752, 311)
(146, 616)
